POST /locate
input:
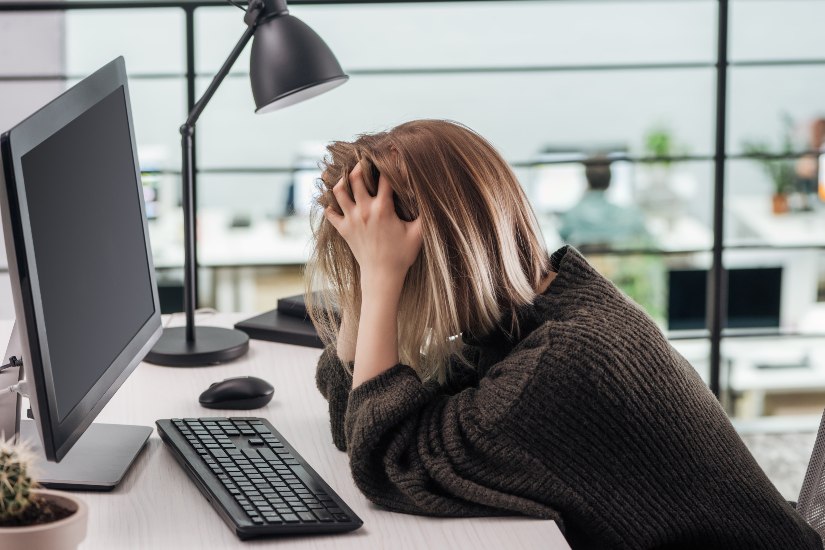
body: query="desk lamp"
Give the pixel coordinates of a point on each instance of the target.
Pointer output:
(289, 63)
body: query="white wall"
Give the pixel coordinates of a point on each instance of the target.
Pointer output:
(30, 44)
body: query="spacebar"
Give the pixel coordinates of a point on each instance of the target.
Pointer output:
(311, 483)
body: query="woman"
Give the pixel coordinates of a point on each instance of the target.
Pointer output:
(469, 374)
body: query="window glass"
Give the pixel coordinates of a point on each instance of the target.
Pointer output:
(775, 108)
(776, 29)
(150, 40)
(522, 114)
(484, 34)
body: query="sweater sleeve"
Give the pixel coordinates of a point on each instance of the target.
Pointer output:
(414, 448)
(335, 385)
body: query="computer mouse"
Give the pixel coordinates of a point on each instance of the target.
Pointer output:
(244, 392)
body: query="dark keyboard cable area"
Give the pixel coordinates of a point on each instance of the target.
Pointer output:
(256, 481)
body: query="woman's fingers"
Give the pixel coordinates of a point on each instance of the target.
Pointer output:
(333, 217)
(341, 195)
(359, 188)
(384, 189)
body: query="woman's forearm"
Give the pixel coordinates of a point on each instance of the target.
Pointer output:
(347, 339)
(377, 348)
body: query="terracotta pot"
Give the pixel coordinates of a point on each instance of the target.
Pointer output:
(64, 534)
(780, 203)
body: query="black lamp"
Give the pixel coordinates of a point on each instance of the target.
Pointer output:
(289, 63)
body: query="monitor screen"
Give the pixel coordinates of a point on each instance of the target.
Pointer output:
(753, 298)
(88, 243)
(74, 223)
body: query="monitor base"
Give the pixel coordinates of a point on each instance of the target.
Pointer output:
(212, 345)
(97, 462)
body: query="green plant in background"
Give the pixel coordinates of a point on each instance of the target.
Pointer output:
(779, 170)
(16, 483)
(660, 144)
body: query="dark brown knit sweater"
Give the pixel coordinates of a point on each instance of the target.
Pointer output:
(591, 419)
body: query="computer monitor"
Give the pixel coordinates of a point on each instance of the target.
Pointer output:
(83, 282)
(754, 298)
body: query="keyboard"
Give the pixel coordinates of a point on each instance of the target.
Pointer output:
(255, 480)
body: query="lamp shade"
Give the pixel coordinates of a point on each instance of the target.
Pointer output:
(290, 63)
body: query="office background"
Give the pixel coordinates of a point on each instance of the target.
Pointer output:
(548, 82)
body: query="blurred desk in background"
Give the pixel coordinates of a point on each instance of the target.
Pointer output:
(754, 220)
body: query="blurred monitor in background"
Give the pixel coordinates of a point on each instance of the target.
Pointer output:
(305, 174)
(754, 298)
(151, 190)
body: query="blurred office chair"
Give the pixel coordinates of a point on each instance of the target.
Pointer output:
(811, 504)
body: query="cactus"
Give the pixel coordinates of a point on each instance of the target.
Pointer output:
(15, 481)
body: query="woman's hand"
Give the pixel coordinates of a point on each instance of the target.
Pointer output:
(384, 245)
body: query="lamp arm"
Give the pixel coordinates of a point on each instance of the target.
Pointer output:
(187, 132)
(218, 78)
(257, 11)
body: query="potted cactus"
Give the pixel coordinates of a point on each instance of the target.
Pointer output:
(33, 518)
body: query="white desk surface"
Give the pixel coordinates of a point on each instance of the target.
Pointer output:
(790, 229)
(157, 506)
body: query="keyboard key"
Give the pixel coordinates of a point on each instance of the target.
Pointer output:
(306, 517)
(290, 518)
(256, 442)
(323, 515)
(308, 480)
(268, 455)
(341, 517)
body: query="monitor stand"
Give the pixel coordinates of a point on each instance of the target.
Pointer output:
(98, 461)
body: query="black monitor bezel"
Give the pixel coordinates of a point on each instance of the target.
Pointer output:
(59, 436)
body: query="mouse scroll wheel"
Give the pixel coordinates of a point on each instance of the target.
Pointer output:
(213, 384)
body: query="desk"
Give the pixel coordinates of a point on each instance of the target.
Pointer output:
(790, 365)
(758, 222)
(157, 507)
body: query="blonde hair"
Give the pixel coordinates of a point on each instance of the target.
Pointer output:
(482, 254)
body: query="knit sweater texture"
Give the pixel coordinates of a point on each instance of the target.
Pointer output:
(589, 418)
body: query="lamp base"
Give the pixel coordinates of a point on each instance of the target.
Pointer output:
(212, 345)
